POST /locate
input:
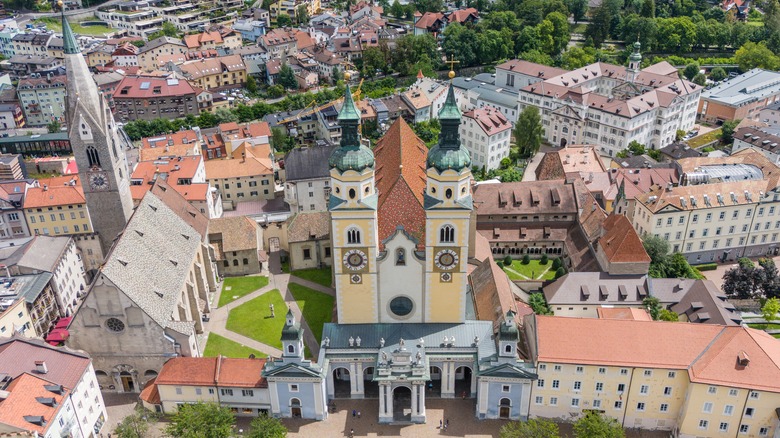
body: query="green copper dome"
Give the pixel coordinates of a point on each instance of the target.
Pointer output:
(636, 55)
(449, 154)
(351, 154)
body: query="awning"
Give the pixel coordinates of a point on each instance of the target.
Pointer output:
(63, 323)
(58, 335)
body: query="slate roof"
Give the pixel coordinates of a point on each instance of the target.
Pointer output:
(705, 303)
(44, 252)
(155, 238)
(179, 205)
(304, 227)
(18, 355)
(161, 41)
(400, 181)
(305, 163)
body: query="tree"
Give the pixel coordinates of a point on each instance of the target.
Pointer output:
(668, 315)
(700, 79)
(656, 247)
(653, 306)
(526, 259)
(555, 27)
(287, 78)
(397, 10)
(168, 29)
(578, 9)
(283, 20)
(648, 9)
(278, 139)
(539, 304)
(251, 84)
(266, 426)
(756, 55)
(576, 57)
(224, 115)
(136, 424)
(740, 282)
(557, 263)
(770, 309)
(691, 70)
(560, 272)
(599, 27)
(636, 148)
(373, 59)
(594, 425)
(769, 280)
(54, 126)
(727, 130)
(679, 134)
(337, 75)
(275, 91)
(533, 428)
(508, 261)
(718, 74)
(544, 260)
(302, 14)
(202, 420)
(677, 266)
(528, 131)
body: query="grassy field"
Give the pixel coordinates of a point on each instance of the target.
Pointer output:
(253, 319)
(240, 286)
(317, 307)
(705, 138)
(319, 276)
(533, 270)
(217, 345)
(578, 28)
(55, 25)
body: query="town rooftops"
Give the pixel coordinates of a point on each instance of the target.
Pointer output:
(530, 68)
(746, 88)
(237, 167)
(200, 39)
(145, 87)
(623, 313)
(303, 227)
(620, 242)
(528, 197)
(490, 120)
(65, 367)
(305, 163)
(767, 139)
(174, 170)
(44, 252)
(212, 66)
(55, 192)
(237, 233)
(32, 404)
(212, 371)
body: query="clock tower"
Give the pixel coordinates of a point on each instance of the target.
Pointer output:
(353, 208)
(448, 208)
(98, 146)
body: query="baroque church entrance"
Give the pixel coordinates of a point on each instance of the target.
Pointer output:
(463, 382)
(341, 383)
(504, 407)
(402, 404)
(370, 387)
(127, 381)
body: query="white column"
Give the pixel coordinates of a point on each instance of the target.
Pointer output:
(353, 385)
(331, 385)
(359, 376)
(381, 400)
(414, 399)
(389, 405)
(421, 405)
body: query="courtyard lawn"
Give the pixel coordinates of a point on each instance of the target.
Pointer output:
(217, 345)
(240, 286)
(55, 25)
(317, 307)
(253, 319)
(319, 276)
(519, 271)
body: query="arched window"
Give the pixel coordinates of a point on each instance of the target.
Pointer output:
(246, 261)
(92, 157)
(508, 349)
(400, 257)
(291, 349)
(353, 235)
(235, 262)
(447, 234)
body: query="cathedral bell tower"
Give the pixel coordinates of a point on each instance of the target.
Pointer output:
(98, 146)
(448, 208)
(634, 62)
(353, 205)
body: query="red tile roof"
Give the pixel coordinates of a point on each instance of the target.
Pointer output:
(620, 242)
(197, 40)
(245, 373)
(490, 120)
(400, 180)
(21, 402)
(65, 366)
(145, 87)
(213, 371)
(150, 393)
(623, 313)
(54, 192)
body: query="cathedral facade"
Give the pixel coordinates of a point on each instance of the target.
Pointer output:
(402, 235)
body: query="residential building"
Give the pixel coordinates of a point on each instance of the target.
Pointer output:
(222, 72)
(677, 151)
(480, 92)
(160, 316)
(149, 98)
(32, 43)
(486, 133)
(107, 84)
(234, 135)
(30, 65)
(57, 207)
(11, 116)
(246, 176)
(15, 319)
(250, 29)
(770, 115)
(281, 43)
(635, 372)
(517, 74)
(213, 39)
(619, 250)
(125, 55)
(308, 240)
(50, 391)
(724, 209)
(60, 257)
(307, 178)
(740, 98)
(42, 99)
(8, 30)
(436, 22)
(255, 58)
(137, 18)
(234, 383)
(763, 140)
(99, 55)
(610, 105)
(12, 167)
(39, 300)
(632, 182)
(13, 223)
(290, 7)
(238, 245)
(160, 46)
(178, 144)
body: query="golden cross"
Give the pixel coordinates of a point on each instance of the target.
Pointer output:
(452, 62)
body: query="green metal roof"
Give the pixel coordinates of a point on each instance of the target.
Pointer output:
(351, 158)
(349, 110)
(636, 55)
(70, 47)
(443, 158)
(450, 108)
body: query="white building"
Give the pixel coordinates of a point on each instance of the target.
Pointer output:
(610, 105)
(54, 391)
(307, 178)
(724, 209)
(770, 115)
(485, 132)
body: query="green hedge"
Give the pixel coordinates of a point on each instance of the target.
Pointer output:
(707, 267)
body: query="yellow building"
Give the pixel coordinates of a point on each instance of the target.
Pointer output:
(57, 207)
(208, 73)
(694, 380)
(15, 318)
(290, 7)
(247, 175)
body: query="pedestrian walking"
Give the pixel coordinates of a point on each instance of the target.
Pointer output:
(351, 433)
(447, 423)
(441, 424)
(354, 412)
(358, 414)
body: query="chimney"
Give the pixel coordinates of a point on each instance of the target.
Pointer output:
(243, 156)
(45, 187)
(40, 366)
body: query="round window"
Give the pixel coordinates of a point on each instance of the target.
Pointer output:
(401, 306)
(115, 325)
(352, 194)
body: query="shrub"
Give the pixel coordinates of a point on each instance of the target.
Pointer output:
(557, 263)
(544, 259)
(508, 261)
(560, 272)
(707, 267)
(526, 259)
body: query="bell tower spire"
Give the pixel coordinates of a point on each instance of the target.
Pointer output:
(98, 146)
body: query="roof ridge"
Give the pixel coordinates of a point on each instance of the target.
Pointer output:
(707, 349)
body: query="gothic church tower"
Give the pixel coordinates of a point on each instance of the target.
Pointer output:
(98, 145)
(353, 205)
(448, 206)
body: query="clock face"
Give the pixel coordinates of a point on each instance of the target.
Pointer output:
(355, 260)
(446, 259)
(98, 181)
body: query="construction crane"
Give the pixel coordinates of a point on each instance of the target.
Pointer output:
(307, 112)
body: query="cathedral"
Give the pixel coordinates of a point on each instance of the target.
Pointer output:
(403, 247)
